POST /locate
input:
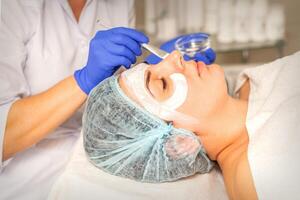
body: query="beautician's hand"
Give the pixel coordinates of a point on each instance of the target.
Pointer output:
(109, 50)
(208, 57)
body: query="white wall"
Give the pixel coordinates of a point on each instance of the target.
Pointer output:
(292, 10)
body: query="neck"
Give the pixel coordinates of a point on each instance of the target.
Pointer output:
(222, 131)
(77, 6)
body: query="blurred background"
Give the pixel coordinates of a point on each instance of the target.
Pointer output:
(243, 32)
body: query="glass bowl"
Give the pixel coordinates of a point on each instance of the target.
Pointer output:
(192, 44)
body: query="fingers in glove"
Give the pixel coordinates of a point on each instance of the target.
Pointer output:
(132, 33)
(120, 50)
(117, 61)
(202, 57)
(211, 55)
(130, 43)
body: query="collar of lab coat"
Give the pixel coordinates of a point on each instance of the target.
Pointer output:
(66, 6)
(68, 10)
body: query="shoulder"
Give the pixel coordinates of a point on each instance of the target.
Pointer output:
(21, 6)
(120, 6)
(121, 12)
(20, 16)
(129, 3)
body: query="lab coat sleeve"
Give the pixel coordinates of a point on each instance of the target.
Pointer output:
(15, 32)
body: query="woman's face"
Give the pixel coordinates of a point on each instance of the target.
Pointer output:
(207, 89)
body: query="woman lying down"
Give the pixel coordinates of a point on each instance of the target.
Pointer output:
(158, 123)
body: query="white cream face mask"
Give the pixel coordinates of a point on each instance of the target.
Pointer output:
(135, 80)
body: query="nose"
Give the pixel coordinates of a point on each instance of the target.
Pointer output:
(170, 65)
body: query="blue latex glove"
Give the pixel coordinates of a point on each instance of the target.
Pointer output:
(109, 50)
(208, 57)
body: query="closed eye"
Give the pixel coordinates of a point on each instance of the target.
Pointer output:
(148, 76)
(164, 82)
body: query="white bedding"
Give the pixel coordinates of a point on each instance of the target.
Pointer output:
(81, 180)
(273, 123)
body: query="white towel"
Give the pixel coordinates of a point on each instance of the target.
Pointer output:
(273, 124)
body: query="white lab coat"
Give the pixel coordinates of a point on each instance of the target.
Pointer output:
(40, 44)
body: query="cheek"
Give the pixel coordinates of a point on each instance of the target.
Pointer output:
(204, 97)
(219, 84)
(219, 75)
(192, 102)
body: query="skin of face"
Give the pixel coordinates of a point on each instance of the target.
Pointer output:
(207, 89)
